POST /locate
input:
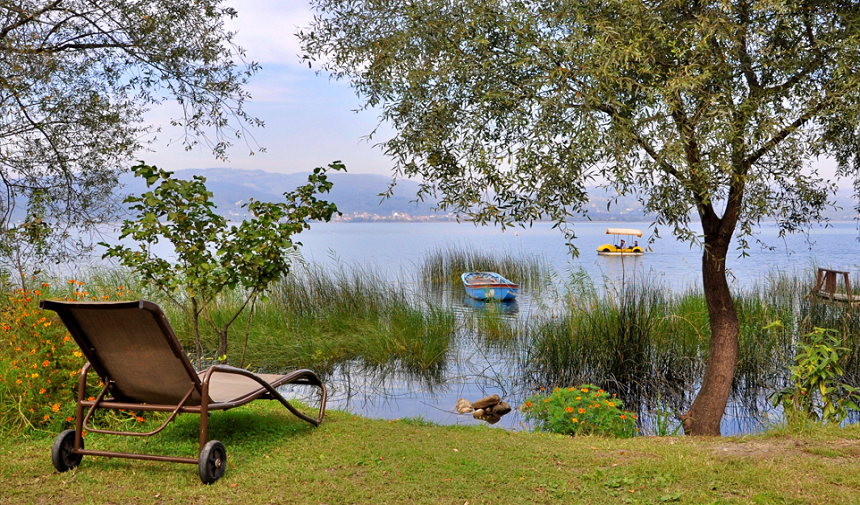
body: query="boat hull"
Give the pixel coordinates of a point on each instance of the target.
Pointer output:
(601, 253)
(611, 250)
(487, 286)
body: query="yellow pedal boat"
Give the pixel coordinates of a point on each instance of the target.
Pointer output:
(626, 247)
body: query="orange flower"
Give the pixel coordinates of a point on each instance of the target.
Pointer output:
(45, 285)
(66, 338)
(569, 390)
(139, 419)
(55, 407)
(91, 398)
(611, 404)
(623, 416)
(582, 411)
(69, 419)
(546, 401)
(46, 417)
(579, 398)
(71, 281)
(33, 376)
(42, 391)
(37, 293)
(46, 363)
(18, 381)
(600, 391)
(574, 419)
(584, 390)
(528, 404)
(80, 283)
(597, 395)
(569, 409)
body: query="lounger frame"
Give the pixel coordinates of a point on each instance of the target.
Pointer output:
(268, 391)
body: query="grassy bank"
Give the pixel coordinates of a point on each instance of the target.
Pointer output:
(274, 458)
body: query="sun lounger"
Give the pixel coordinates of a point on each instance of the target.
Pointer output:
(134, 351)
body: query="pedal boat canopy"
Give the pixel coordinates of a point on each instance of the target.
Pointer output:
(616, 249)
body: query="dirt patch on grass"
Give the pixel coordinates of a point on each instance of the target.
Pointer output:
(766, 449)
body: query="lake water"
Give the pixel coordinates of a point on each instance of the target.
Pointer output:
(396, 249)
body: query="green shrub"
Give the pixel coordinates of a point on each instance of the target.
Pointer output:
(815, 391)
(581, 410)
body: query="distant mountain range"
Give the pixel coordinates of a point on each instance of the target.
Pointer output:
(357, 196)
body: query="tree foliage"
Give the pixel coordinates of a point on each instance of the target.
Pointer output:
(210, 256)
(508, 110)
(77, 76)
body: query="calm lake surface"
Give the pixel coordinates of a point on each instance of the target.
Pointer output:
(396, 250)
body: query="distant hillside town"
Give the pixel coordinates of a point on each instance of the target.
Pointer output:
(357, 196)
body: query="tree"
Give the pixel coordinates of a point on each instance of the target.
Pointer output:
(507, 109)
(77, 76)
(209, 256)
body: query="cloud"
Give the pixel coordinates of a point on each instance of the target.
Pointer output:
(266, 29)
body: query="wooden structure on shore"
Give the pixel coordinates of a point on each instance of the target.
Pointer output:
(825, 288)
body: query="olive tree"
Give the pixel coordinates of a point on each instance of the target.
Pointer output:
(77, 77)
(209, 255)
(708, 111)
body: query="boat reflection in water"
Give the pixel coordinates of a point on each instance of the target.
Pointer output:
(508, 308)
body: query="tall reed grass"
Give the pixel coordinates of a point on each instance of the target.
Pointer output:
(318, 318)
(444, 266)
(643, 341)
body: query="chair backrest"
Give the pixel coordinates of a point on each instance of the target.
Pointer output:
(132, 345)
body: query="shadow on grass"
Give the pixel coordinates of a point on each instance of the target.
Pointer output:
(249, 434)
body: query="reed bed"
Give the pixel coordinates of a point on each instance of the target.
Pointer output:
(315, 318)
(645, 342)
(444, 266)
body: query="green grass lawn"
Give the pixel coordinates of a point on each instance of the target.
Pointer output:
(275, 458)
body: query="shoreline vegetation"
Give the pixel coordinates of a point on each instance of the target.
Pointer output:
(641, 341)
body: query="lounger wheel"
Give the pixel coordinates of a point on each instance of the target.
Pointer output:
(212, 462)
(61, 453)
(605, 249)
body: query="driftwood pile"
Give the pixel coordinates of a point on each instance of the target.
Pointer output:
(489, 409)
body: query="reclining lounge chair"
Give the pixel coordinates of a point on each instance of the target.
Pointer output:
(133, 349)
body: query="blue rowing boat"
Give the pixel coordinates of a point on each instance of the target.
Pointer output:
(489, 286)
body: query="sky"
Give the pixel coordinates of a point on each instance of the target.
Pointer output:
(309, 119)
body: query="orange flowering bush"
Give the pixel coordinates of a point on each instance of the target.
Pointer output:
(39, 361)
(578, 411)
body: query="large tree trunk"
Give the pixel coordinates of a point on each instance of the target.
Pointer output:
(707, 410)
